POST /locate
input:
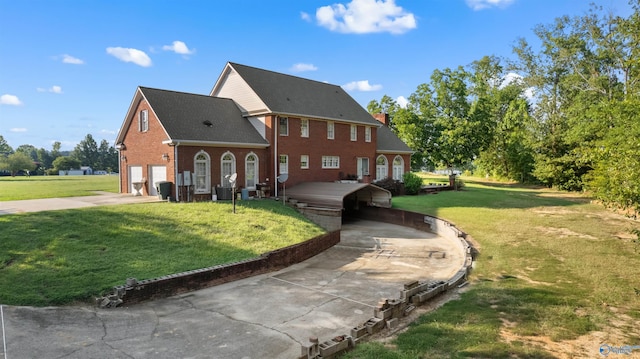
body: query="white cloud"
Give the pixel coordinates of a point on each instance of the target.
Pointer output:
(402, 101)
(361, 86)
(304, 16)
(301, 67)
(18, 129)
(68, 59)
(178, 47)
(485, 4)
(366, 16)
(54, 89)
(512, 77)
(130, 55)
(8, 99)
(108, 132)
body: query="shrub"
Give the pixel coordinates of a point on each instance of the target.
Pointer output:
(412, 183)
(395, 187)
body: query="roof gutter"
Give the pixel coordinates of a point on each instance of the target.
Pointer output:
(172, 142)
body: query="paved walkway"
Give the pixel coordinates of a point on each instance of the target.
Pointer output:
(267, 316)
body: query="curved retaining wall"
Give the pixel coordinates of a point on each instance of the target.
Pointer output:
(389, 311)
(135, 291)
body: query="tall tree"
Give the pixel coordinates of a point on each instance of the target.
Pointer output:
(18, 161)
(5, 149)
(87, 152)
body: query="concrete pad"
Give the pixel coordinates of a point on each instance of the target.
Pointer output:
(267, 316)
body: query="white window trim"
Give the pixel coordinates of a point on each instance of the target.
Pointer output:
(223, 180)
(331, 130)
(256, 170)
(360, 171)
(379, 167)
(304, 164)
(354, 132)
(280, 126)
(143, 121)
(367, 134)
(304, 127)
(398, 170)
(207, 169)
(286, 164)
(330, 162)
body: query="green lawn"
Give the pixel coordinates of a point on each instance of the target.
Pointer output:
(22, 187)
(58, 257)
(554, 271)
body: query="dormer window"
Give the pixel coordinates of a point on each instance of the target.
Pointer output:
(143, 121)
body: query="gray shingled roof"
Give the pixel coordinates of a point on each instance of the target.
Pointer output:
(389, 141)
(183, 115)
(291, 95)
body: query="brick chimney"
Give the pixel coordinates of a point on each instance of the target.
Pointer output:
(382, 117)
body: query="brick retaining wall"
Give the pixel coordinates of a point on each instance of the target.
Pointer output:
(138, 291)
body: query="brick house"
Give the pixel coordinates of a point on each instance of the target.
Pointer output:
(256, 123)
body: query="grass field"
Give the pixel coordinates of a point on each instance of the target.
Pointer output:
(22, 187)
(557, 276)
(58, 257)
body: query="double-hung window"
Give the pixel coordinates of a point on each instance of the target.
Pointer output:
(354, 133)
(304, 161)
(330, 130)
(284, 126)
(367, 134)
(202, 172)
(284, 164)
(143, 121)
(304, 128)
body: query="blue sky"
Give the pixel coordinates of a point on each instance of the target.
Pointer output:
(69, 68)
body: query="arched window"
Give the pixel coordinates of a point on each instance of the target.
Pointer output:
(382, 170)
(251, 171)
(202, 172)
(398, 168)
(228, 165)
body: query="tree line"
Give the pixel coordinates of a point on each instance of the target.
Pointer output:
(565, 114)
(32, 160)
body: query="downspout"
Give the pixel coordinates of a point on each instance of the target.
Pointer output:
(119, 171)
(276, 159)
(176, 171)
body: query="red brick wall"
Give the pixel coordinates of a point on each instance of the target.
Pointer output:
(317, 145)
(144, 149)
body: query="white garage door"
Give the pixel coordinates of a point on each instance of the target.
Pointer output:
(135, 175)
(158, 173)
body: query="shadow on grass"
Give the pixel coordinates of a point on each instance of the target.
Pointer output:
(474, 325)
(58, 257)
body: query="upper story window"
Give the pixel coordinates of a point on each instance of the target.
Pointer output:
(304, 128)
(367, 134)
(330, 162)
(143, 121)
(330, 130)
(354, 133)
(284, 126)
(304, 161)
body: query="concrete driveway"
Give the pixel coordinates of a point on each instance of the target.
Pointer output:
(267, 316)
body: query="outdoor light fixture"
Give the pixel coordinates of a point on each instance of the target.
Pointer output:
(165, 156)
(123, 158)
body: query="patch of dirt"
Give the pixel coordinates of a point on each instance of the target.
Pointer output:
(564, 232)
(614, 334)
(553, 211)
